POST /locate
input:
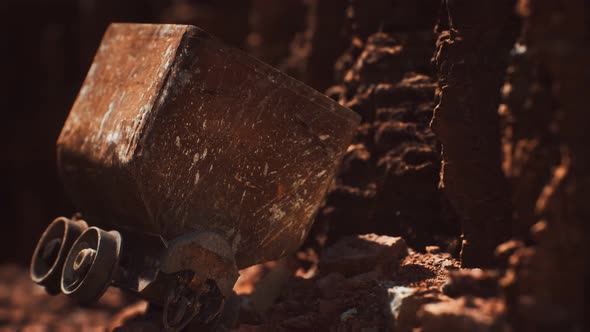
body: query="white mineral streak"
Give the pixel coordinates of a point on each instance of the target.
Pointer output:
(320, 174)
(197, 177)
(113, 136)
(105, 118)
(277, 212)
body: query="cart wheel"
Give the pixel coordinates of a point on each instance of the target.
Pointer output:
(90, 264)
(51, 252)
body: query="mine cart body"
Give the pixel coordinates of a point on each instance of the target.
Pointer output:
(202, 138)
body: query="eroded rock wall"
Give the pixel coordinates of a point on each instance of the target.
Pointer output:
(388, 181)
(473, 47)
(546, 285)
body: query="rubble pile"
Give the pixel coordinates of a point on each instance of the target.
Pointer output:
(364, 282)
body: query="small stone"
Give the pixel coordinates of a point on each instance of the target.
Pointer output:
(354, 255)
(505, 250)
(464, 314)
(406, 313)
(476, 282)
(540, 230)
(328, 285)
(433, 249)
(348, 314)
(396, 295)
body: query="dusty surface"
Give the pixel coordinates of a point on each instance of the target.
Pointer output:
(25, 306)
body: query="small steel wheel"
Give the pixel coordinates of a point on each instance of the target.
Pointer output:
(90, 265)
(51, 251)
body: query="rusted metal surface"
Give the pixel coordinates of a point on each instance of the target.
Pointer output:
(173, 132)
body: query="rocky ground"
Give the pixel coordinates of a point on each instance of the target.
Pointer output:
(361, 283)
(25, 306)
